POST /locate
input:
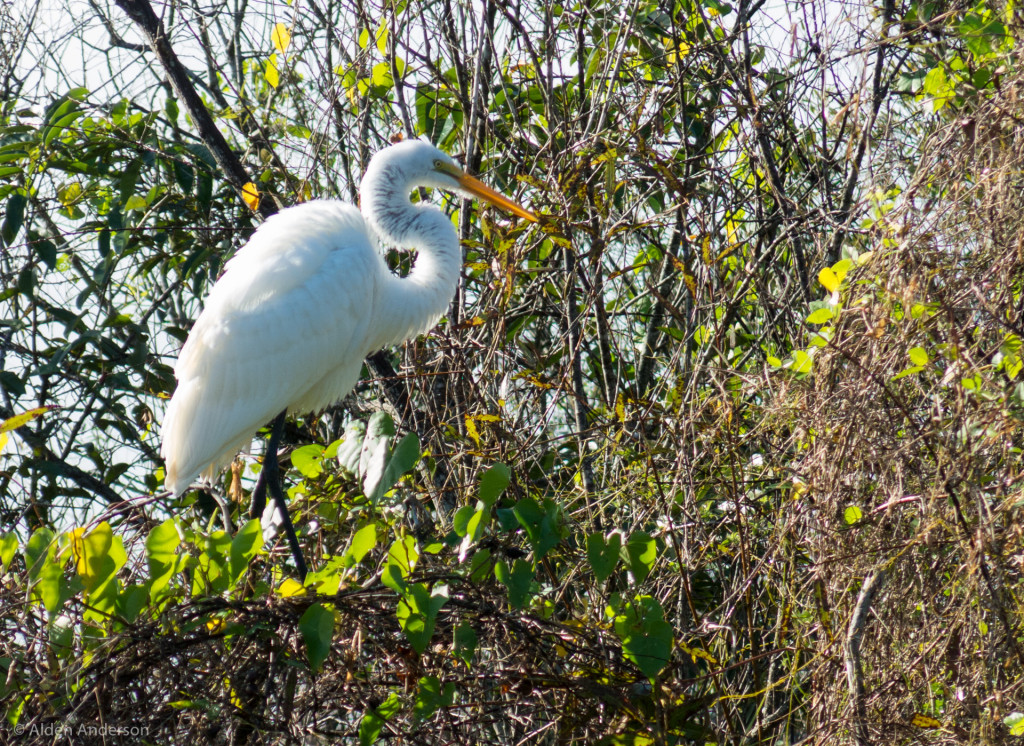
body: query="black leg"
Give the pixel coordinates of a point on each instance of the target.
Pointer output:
(270, 478)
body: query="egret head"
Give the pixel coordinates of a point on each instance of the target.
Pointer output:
(420, 163)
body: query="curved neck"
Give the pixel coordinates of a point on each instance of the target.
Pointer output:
(410, 305)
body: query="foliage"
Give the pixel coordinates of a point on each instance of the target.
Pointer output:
(761, 356)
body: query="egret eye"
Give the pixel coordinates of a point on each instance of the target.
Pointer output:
(438, 164)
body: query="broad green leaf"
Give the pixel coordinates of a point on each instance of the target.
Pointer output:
(363, 541)
(460, 521)
(645, 635)
(464, 645)
(373, 720)
(45, 571)
(603, 554)
(1015, 722)
(308, 460)
(380, 76)
(14, 216)
(317, 628)
(430, 696)
(640, 552)
(8, 548)
(161, 556)
(132, 600)
(518, 579)
(135, 202)
(404, 554)
(401, 460)
(417, 613)
(493, 482)
(541, 522)
(852, 515)
(918, 356)
(246, 545)
(821, 316)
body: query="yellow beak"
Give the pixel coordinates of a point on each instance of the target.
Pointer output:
(484, 192)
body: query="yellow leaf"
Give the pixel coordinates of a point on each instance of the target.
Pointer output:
(471, 430)
(802, 362)
(290, 587)
(925, 721)
(281, 37)
(677, 51)
(215, 626)
(13, 423)
(620, 408)
(251, 196)
(233, 695)
(3, 441)
(487, 417)
(696, 653)
(270, 73)
(828, 279)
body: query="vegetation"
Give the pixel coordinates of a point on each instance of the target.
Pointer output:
(726, 450)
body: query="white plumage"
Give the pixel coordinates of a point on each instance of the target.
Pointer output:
(305, 300)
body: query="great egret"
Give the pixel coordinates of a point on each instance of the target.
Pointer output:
(305, 300)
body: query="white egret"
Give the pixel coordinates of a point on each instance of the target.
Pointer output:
(305, 300)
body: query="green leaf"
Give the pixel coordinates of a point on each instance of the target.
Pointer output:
(465, 643)
(161, 556)
(417, 613)
(363, 541)
(246, 545)
(317, 628)
(1015, 722)
(403, 555)
(44, 572)
(918, 356)
(640, 553)
(518, 580)
(913, 369)
(381, 76)
(308, 460)
(8, 548)
(132, 600)
(493, 482)
(541, 522)
(14, 216)
(401, 461)
(430, 696)
(821, 316)
(852, 515)
(645, 635)
(135, 202)
(937, 87)
(373, 720)
(460, 521)
(603, 554)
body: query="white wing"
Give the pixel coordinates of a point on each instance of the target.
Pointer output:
(285, 327)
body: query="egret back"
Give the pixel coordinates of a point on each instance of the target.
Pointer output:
(286, 327)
